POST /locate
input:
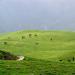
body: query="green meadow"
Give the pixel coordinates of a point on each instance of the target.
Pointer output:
(45, 52)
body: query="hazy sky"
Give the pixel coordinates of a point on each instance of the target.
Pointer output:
(36, 14)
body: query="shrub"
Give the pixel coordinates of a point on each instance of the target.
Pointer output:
(60, 60)
(73, 58)
(69, 60)
(35, 35)
(5, 43)
(51, 39)
(73, 73)
(23, 37)
(36, 43)
(30, 35)
(8, 37)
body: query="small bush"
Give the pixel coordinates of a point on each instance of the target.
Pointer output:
(37, 43)
(30, 35)
(35, 35)
(60, 60)
(51, 39)
(73, 73)
(73, 58)
(5, 43)
(23, 37)
(69, 60)
(8, 37)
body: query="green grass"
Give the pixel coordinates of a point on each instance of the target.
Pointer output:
(42, 53)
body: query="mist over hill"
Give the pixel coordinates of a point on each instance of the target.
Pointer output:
(37, 14)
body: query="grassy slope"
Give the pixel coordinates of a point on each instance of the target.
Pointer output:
(46, 53)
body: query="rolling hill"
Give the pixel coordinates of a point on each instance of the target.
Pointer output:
(45, 52)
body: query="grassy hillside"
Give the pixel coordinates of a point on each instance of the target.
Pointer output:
(46, 53)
